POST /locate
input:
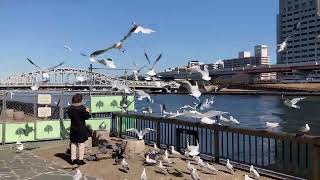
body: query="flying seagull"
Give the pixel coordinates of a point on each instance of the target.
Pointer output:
(142, 95)
(193, 90)
(137, 71)
(292, 103)
(305, 128)
(107, 62)
(271, 125)
(67, 48)
(152, 71)
(283, 45)
(204, 73)
(142, 133)
(46, 69)
(143, 30)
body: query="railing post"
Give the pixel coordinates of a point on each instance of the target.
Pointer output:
(4, 108)
(158, 133)
(216, 146)
(120, 127)
(316, 162)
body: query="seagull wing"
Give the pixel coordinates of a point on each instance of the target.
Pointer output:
(129, 33)
(156, 61)
(296, 100)
(214, 113)
(31, 62)
(101, 51)
(140, 69)
(147, 57)
(147, 130)
(56, 66)
(134, 130)
(185, 84)
(83, 54)
(67, 47)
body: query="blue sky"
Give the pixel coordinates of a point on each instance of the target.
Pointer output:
(206, 30)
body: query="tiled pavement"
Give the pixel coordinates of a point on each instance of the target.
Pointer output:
(15, 165)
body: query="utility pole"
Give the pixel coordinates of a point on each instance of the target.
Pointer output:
(91, 79)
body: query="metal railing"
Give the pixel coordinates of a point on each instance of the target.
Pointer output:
(277, 155)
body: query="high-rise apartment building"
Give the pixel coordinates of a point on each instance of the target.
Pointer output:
(298, 21)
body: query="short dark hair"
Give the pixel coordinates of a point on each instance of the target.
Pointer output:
(77, 98)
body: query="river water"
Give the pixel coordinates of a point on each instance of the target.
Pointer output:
(251, 110)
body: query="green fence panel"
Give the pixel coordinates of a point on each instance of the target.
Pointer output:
(99, 124)
(19, 132)
(48, 130)
(103, 104)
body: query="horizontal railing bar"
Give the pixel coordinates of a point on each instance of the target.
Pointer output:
(314, 140)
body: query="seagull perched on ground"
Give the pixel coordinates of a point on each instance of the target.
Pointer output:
(254, 172)
(190, 167)
(152, 71)
(163, 168)
(143, 175)
(271, 125)
(78, 175)
(125, 165)
(191, 147)
(246, 177)
(229, 167)
(155, 148)
(204, 73)
(292, 103)
(194, 175)
(174, 152)
(107, 62)
(19, 146)
(142, 94)
(140, 134)
(200, 161)
(305, 128)
(150, 161)
(211, 168)
(193, 90)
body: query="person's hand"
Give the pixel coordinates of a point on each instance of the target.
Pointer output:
(88, 109)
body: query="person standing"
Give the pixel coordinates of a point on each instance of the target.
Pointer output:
(78, 113)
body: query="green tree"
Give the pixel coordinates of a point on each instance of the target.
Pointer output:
(48, 129)
(99, 104)
(114, 103)
(28, 129)
(20, 132)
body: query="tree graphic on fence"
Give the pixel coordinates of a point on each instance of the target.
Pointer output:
(99, 104)
(48, 129)
(114, 103)
(20, 132)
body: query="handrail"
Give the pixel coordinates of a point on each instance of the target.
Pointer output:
(314, 140)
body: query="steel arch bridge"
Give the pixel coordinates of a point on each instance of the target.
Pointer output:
(75, 78)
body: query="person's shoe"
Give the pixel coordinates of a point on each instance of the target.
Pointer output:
(80, 162)
(73, 162)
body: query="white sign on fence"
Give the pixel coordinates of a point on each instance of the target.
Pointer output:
(44, 112)
(44, 99)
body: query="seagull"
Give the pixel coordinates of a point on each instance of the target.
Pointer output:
(78, 175)
(246, 177)
(46, 69)
(107, 62)
(142, 94)
(190, 167)
(67, 48)
(283, 45)
(194, 175)
(35, 87)
(305, 128)
(230, 120)
(200, 161)
(150, 161)
(80, 78)
(204, 73)
(206, 104)
(211, 168)
(174, 152)
(204, 117)
(206, 120)
(163, 168)
(255, 173)
(147, 110)
(117, 45)
(125, 165)
(193, 90)
(83, 54)
(271, 125)
(137, 71)
(292, 103)
(143, 175)
(166, 158)
(143, 30)
(155, 148)
(121, 87)
(229, 167)
(19, 146)
(191, 147)
(152, 71)
(140, 134)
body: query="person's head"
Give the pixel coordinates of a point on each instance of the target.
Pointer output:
(77, 98)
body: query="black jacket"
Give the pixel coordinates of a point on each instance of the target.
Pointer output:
(78, 129)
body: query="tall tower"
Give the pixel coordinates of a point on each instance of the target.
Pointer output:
(299, 21)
